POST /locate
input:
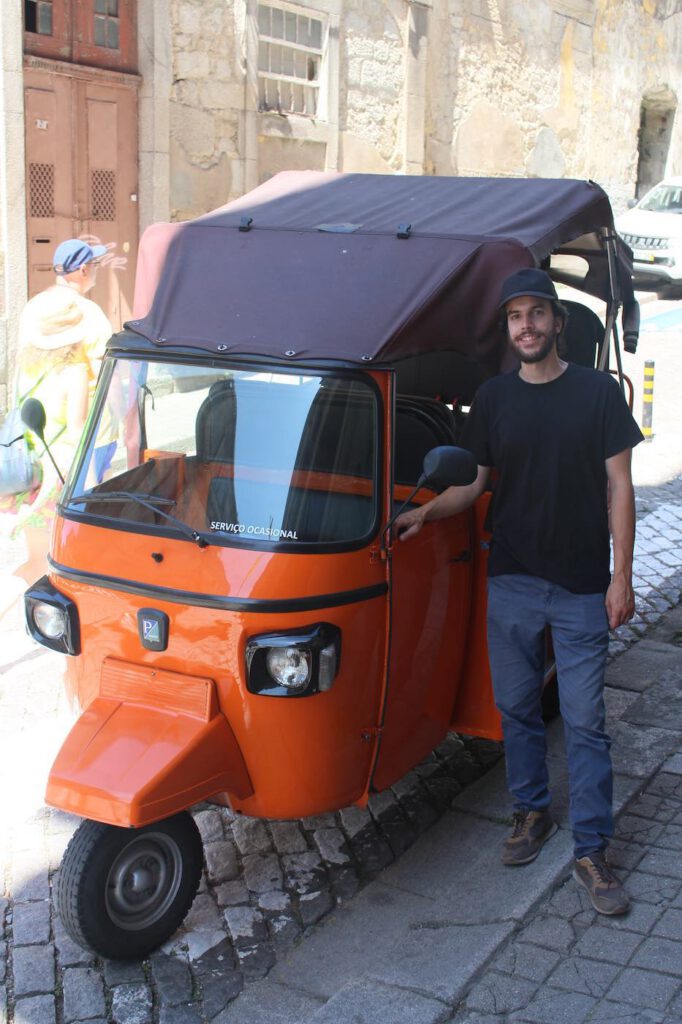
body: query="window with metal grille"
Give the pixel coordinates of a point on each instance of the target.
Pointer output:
(41, 190)
(107, 25)
(103, 195)
(290, 51)
(38, 16)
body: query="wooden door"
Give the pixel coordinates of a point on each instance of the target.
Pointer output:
(81, 154)
(49, 173)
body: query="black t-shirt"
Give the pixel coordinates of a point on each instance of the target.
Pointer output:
(548, 443)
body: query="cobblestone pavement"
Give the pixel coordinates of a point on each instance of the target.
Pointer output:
(567, 965)
(267, 884)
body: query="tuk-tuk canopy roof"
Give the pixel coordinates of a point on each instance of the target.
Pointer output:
(364, 268)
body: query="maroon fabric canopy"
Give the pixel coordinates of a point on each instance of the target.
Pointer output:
(362, 268)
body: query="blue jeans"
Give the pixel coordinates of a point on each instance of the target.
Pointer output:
(519, 609)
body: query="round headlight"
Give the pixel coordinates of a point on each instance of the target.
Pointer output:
(289, 666)
(50, 621)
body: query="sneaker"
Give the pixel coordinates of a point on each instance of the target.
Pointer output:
(600, 883)
(531, 829)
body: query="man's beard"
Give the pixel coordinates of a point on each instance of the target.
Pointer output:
(539, 354)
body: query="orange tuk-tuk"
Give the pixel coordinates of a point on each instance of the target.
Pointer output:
(238, 622)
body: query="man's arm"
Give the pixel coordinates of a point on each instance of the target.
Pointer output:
(620, 599)
(449, 503)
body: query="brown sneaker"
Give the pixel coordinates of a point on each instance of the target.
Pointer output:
(531, 829)
(600, 883)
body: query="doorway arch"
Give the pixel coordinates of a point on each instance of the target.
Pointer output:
(657, 116)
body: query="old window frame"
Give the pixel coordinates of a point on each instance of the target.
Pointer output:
(40, 9)
(107, 15)
(296, 94)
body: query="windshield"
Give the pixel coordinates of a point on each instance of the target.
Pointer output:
(663, 199)
(223, 455)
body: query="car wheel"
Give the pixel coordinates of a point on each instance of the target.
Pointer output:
(122, 892)
(671, 291)
(550, 691)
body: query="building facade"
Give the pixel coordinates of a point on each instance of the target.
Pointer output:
(117, 113)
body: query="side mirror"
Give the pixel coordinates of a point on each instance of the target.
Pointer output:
(33, 415)
(447, 466)
(632, 203)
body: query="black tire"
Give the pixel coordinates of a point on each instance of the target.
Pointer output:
(550, 694)
(671, 291)
(122, 892)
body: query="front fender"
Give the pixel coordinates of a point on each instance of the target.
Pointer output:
(149, 745)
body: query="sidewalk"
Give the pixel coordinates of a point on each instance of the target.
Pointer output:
(449, 935)
(400, 913)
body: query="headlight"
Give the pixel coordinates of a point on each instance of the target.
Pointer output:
(289, 666)
(293, 663)
(49, 620)
(52, 618)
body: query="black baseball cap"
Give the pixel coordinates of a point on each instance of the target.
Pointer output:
(529, 281)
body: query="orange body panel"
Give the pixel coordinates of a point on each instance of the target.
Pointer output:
(431, 584)
(127, 764)
(475, 713)
(303, 756)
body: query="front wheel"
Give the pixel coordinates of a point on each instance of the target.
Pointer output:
(122, 892)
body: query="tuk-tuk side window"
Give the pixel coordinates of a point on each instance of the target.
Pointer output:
(233, 454)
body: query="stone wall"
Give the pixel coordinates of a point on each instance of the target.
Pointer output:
(12, 193)
(372, 84)
(553, 88)
(637, 47)
(550, 89)
(206, 105)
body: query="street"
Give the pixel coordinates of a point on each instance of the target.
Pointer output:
(276, 895)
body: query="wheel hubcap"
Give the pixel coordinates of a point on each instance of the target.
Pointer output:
(143, 881)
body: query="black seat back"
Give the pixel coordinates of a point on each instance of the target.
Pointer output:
(449, 376)
(583, 335)
(216, 423)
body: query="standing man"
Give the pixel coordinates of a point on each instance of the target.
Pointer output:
(560, 438)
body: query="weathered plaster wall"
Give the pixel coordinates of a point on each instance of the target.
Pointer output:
(550, 88)
(155, 47)
(646, 38)
(13, 276)
(508, 88)
(206, 105)
(372, 81)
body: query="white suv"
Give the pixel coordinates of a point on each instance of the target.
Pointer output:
(653, 230)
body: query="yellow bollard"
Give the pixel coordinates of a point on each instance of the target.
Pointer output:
(648, 400)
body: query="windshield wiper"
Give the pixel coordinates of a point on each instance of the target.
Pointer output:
(148, 501)
(156, 499)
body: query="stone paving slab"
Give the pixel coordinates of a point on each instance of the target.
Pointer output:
(436, 959)
(643, 666)
(280, 1004)
(661, 705)
(359, 937)
(369, 1002)
(457, 864)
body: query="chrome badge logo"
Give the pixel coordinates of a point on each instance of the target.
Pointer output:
(152, 626)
